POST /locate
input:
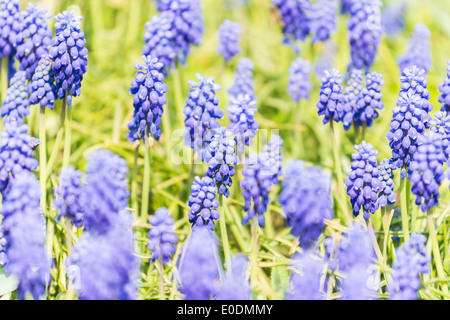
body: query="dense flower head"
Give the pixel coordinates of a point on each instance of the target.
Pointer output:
(426, 170)
(407, 125)
(222, 159)
(295, 17)
(241, 114)
(67, 196)
(170, 34)
(413, 80)
(34, 39)
(198, 269)
(243, 80)
(149, 92)
(345, 6)
(3, 256)
(329, 104)
(393, 17)
(69, 56)
(105, 193)
(10, 20)
(419, 50)
(370, 100)
(441, 125)
(323, 17)
(306, 201)
(349, 99)
(272, 157)
(229, 39)
(386, 176)
(203, 204)
(42, 87)
(16, 155)
(300, 84)
(234, 285)
(444, 89)
(364, 33)
(363, 184)
(104, 265)
(412, 260)
(162, 237)
(305, 279)
(24, 228)
(331, 249)
(15, 104)
(201, 111)
(256, 185)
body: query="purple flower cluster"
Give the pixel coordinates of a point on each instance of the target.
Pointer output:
(295, 17)
(69, 56)
(386, 176)
(363, 184)
(198, 269)
(306, 201)
(393, 17)
(149, 92)
(10, 20)
(229, 39)
(34, 39)
(412, 260)
(15, 105)
(441, 125)
(369, 101)
(3, 256)
(243, 80)
(419, 51)
(427, 170)
(350, 97)
(413, 80)
(203, 203)
(300, 84)
(272, 158)
(323, 18)
(329, 104)
(24, 229)
(42, 87)
(235, 286)
(444, 89)
(162, 237)
(67, 196)
(222, 159)
(241, 114)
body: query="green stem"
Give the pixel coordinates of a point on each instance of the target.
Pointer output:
(134, 184)
(178, 95)
(223, 232)
(67, 133)
(68, 236)
(373, 237)
(298, 143)
(146, 182)
(404, 208)
(436, 251)
(162, 287)
(363, 132)
(387, 219)
(254, 251)
(4, 78)
(43, 159)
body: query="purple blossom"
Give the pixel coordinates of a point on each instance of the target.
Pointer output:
(67, 196)
(229, 39)
(241, 114)
(235, 285)
(10, 21)
(203, 204)
(15, 104)
(349, 100)
(300, 84)
(42, 87)
(329, 104)
(386, 176)
(296, 19)
(162, 237)
(419, 50)
(323, 17)
(369, 101)
(444, 89)
(243, 80)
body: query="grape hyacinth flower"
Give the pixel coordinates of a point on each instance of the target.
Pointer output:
(306, 201)
(10, 20)
(256, 185)
(170, 34)
(221, 158)
(364, 33)
(369, 101)
(444, 89)
(387, 195)
(441, 125)
(363, 184)
(202, 112)
(300, 84)
(15, 105)
(42, 87)
(419, 50)
(162, 237)
(272, 158)
(69, 56)
(229, 39)
(241, 114)
(198, 269)
(295, 17)
(323, 17)
(243, 80)
(393, 17)
(407, 125)
(305, 279)
(413, 80)
(203, 203)
(67, 196)
(427, 170)
(3, 256)
(34, 39)
(235, 286)
(350, 97)
(16, 154)
(329, 104)
(149, 99)
(105, 265)
(345, 6)
(24, 228)
(105, 193)
(412, 260)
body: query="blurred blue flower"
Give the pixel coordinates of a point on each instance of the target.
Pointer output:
(235, 285)
(300, 84)
(42, 87)
(323, 19)
(387, 195)
(3, 256)
(370, 100)
(229, 39)
(444, 89)
(243, 80)
(413, 80)
(296, 19)
(241, 114)
(419, 50)
(272, 158)
(67, 196)
(203, 204)
(162, 237)
(15, 104)
(441, 124)
(351, 96)
(393, 17)
(10, 21)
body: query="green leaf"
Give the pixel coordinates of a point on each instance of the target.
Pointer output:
(279, 277)
(7, 283)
